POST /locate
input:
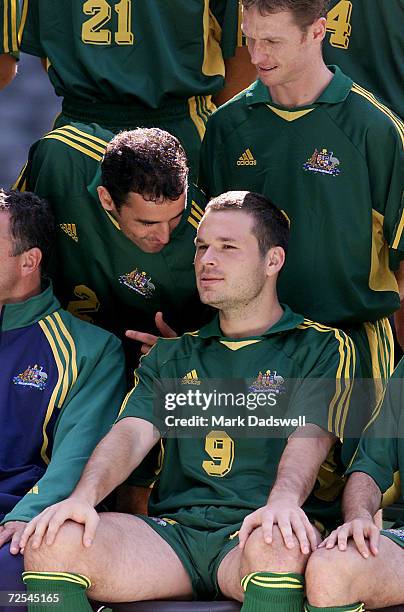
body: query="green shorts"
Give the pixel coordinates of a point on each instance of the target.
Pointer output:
(185, 119)
(201, 537)
(397, 535)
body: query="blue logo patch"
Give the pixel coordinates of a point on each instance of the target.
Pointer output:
(323, 162)
(33, 376)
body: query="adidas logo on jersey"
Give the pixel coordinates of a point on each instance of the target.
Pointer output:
(247, 159)
(191, 378)
(71, 230)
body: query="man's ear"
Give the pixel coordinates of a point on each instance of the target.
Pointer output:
(319, 29)
(31, 261)
(275, 260)
(105, 199)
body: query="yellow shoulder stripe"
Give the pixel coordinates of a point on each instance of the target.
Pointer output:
(384, 109)
(74, 137)
(73, 145)
(90, 137)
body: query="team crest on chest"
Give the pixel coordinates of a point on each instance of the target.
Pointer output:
(33, 376)
(138, 281)
(324, 162)
(269, 382)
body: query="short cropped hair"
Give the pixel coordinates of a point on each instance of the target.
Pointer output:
(305, 12)
(147, 161)
(32, 223)
(271, 227)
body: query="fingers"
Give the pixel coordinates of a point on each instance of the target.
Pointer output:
(331, 541)
(249, 524)
(15, 541)
(359, 539)
(165, 330)
(90, 527)
(142, 337)
(28, 531)
(374, 539)
(5, 535)
(267, 527)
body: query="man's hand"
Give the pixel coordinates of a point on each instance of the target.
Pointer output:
(290, 519)
(360, 529)
(13, 531)
(149, 340)
(47, 523)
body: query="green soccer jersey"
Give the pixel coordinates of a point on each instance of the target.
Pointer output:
(9, 21)
(128, 51)
(366, 39)
(336, 169)
(99, 274)
(235, 466)
(381, 450)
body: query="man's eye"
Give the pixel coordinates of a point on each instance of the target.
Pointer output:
(229, 246)
(145, 224)
(201, 247)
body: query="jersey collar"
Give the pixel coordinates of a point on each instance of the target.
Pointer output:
(336, 91)
(288, 321)
(24, 314)
(92, 189)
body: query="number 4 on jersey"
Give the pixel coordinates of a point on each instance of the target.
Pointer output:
(93, 31)
(338, 23)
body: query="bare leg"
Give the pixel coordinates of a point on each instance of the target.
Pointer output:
(259, 557)
(338, 578)
(128, 560)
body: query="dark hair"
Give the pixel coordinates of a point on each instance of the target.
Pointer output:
(32, 223)
(305, 12)
(148, 161)
(271, 227)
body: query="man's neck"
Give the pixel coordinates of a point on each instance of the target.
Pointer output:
(21, 294)
(311, 84)
(250, 320)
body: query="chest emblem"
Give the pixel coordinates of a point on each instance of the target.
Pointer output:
(269, 382)
(33, 376)
(247, 159)
(138, 281)
(324, 162)
(191, 378)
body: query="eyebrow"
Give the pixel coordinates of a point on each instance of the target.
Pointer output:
(154, 222)
(221, 239)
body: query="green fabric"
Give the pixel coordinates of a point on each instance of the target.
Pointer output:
(88, 410)
(381, 450)
(326, 168)
(201, 538)
(372, 53)
(66, 588)
(93, 258)
(355, 607)
(281, 592)
(304, 355)
(162, 60)
(30, 311)
(9, 24)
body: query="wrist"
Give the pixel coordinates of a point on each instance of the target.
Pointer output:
(361, 514)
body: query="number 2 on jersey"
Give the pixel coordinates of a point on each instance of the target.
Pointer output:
(93, 31)
(338, 23)
(220, 447)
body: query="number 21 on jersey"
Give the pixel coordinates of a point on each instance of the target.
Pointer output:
(338, 23)
(93, 31)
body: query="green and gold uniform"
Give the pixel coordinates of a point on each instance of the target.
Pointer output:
(136, 64)
(366, 39)
(208, 484)
(336, 168)
(381, 449)
(99, 274)
(9, 20)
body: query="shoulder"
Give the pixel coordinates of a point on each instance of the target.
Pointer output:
(77, 139)
(167, 350)
(234, 111)
(323, 341)
(196, 196)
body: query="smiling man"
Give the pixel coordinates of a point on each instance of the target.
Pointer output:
(217, 488)
(330, 155)
(126, 234)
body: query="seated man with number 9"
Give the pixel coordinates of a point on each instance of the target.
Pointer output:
(239, 504)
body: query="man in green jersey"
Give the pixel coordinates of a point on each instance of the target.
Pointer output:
(60, 380)
(138, 64)
(329, 155)
(215, 483)
(366, 39)
(367, 568)
(9, 14)
(126, 226)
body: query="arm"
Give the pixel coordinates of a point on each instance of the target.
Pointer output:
(297, 472)
(8, 69)
(361, 501)
(239, 74)
(399, 315)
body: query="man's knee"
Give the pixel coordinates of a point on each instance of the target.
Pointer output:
(330, 575)
(66, 548)
(275, 557)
